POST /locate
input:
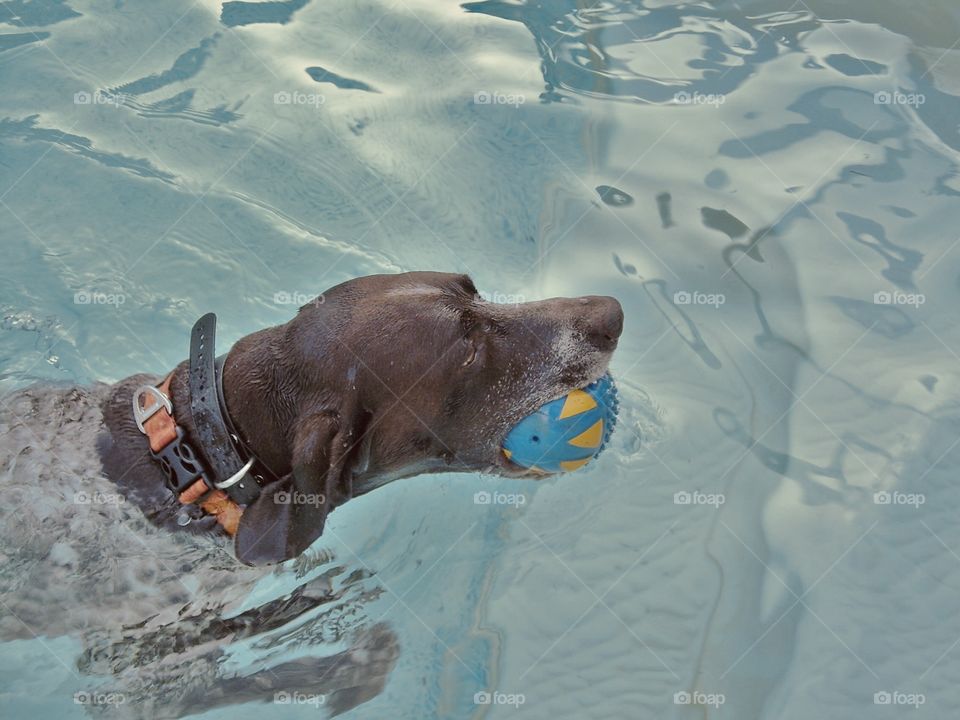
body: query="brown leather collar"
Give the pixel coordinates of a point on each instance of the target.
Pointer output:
(160, 427)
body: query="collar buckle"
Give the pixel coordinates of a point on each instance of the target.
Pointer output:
(142, 413)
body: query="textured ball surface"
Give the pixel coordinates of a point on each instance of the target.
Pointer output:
(566, 433)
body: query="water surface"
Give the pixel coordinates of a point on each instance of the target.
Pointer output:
(771, 190)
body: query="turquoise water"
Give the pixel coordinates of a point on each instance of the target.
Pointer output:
(771, 190)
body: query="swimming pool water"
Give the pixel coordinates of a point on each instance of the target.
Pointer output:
(770, 188)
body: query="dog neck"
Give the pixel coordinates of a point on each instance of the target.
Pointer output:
(207, 450)
(261, 407)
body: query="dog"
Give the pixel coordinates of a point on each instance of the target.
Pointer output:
(138, 514)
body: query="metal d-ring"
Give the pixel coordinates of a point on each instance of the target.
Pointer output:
(142, 414)
(235, 478)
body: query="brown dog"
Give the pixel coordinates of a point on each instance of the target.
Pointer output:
(383, 377)
(387, 377)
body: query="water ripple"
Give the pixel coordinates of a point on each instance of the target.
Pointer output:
(638, 52)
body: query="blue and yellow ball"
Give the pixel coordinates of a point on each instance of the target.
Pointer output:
(566, 433)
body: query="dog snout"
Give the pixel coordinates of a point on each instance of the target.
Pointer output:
(604, 320)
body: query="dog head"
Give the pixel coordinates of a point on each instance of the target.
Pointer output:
(389, 376)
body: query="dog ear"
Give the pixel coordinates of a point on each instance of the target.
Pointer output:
(290, 513)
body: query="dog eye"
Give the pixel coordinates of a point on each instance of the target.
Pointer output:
(475, 349)
(471, 353)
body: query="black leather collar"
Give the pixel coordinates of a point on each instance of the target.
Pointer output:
(232, 468)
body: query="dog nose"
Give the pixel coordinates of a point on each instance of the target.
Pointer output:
(605, 320)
